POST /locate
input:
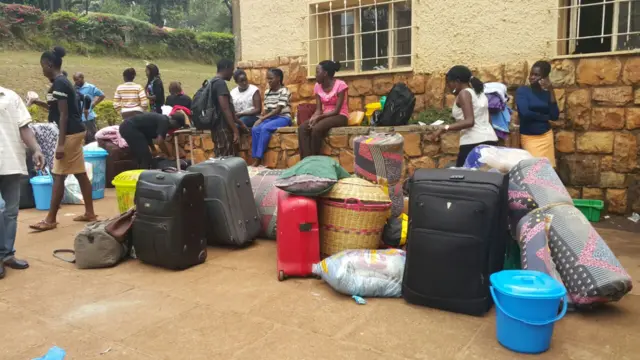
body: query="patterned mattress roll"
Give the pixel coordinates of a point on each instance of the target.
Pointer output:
(379, 158)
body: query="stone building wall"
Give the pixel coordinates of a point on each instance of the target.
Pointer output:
(597, 135)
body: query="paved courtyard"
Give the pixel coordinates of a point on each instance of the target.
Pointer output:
(232, 307)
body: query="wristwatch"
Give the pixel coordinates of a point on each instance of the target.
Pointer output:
(446, 128)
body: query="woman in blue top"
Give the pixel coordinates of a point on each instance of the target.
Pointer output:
(537, 106)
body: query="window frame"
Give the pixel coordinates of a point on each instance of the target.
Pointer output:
(568, 16)
(320, 24)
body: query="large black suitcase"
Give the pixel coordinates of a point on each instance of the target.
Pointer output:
(457, 238)
(232, 215)
(168, 229)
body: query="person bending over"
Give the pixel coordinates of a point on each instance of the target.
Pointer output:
(277, 114)
(63, 108)
(332, 109)
(142, 130)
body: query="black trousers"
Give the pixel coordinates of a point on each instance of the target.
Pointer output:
(464, 151)
(138, 143)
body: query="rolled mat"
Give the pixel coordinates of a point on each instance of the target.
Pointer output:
(556, 238)
(379, 158)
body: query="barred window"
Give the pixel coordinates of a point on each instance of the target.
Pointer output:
(363, 35)
(598, 26)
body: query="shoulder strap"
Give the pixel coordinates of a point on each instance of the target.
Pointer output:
(57, 254)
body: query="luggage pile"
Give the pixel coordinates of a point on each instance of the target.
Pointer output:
(457, 225)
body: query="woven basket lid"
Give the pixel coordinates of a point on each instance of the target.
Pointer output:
(356, 188)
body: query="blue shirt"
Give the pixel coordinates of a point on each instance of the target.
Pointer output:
(535, 109)
(91, 91)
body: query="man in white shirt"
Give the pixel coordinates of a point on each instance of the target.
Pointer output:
(14, 130)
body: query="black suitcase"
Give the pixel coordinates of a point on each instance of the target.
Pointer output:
(232, 215)
(168, 229)
(457, 238)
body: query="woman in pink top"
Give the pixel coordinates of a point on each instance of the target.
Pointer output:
(331, 109)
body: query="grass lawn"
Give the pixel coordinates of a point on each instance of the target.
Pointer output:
(20, 71)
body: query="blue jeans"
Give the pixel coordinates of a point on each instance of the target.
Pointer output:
(262, 134)
(9, 204)
(249, 120)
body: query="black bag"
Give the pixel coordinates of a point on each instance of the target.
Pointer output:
(27, 201)
(204, 114)
(457, 238)
(168, 229)
(231, 215)
(398, 108)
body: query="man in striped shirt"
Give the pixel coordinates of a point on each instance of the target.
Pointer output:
(130, 98)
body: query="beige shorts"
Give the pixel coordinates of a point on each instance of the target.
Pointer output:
(73, 161)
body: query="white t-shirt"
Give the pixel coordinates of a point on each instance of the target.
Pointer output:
(13, 116)
(243, 100)
(482, 130)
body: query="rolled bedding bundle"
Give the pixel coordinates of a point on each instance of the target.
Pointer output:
(557, 239)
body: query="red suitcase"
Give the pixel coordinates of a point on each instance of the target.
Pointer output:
(298, 238)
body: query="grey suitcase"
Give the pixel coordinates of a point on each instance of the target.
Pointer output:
(231, 212)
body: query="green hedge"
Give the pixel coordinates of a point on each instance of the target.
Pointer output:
(106, 33)
(105, 113)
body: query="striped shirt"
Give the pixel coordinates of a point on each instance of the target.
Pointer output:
(130, 97)
(280, 97)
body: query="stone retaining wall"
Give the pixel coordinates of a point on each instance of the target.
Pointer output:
(597, 135)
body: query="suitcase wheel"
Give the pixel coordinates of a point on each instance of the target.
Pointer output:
(281, 276)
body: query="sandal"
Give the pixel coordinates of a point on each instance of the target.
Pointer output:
(43, 226)
(85, 218)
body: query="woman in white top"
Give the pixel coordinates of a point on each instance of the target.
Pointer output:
(246, 99)
(471, 112)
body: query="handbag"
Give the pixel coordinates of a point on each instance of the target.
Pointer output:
(120, 226)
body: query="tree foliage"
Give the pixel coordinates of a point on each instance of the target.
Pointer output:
(199, 15)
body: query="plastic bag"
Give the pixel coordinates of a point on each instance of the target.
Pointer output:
(91, 146)
(366, 273)
(486, 157)
(72, 192)
(55, 353)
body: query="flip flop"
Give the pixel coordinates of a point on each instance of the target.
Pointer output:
(85, 218)
(43, 226)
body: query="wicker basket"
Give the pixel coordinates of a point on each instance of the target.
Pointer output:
(352, 216)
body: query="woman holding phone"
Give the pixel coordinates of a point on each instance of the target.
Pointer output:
(537, 106)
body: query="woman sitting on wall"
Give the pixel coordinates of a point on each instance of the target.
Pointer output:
(130, 98)
(471, 112)
(246, 99)
(177, 97)
(537, 105)
(331, 109)
(277, 114)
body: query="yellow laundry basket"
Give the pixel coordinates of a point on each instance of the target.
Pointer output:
(125, 184)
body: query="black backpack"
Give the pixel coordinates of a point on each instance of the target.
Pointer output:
(398, 108)
(204, 114)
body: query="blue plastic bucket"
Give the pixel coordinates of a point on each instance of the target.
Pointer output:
(527, 305)
(42, 186)
(97, 157)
